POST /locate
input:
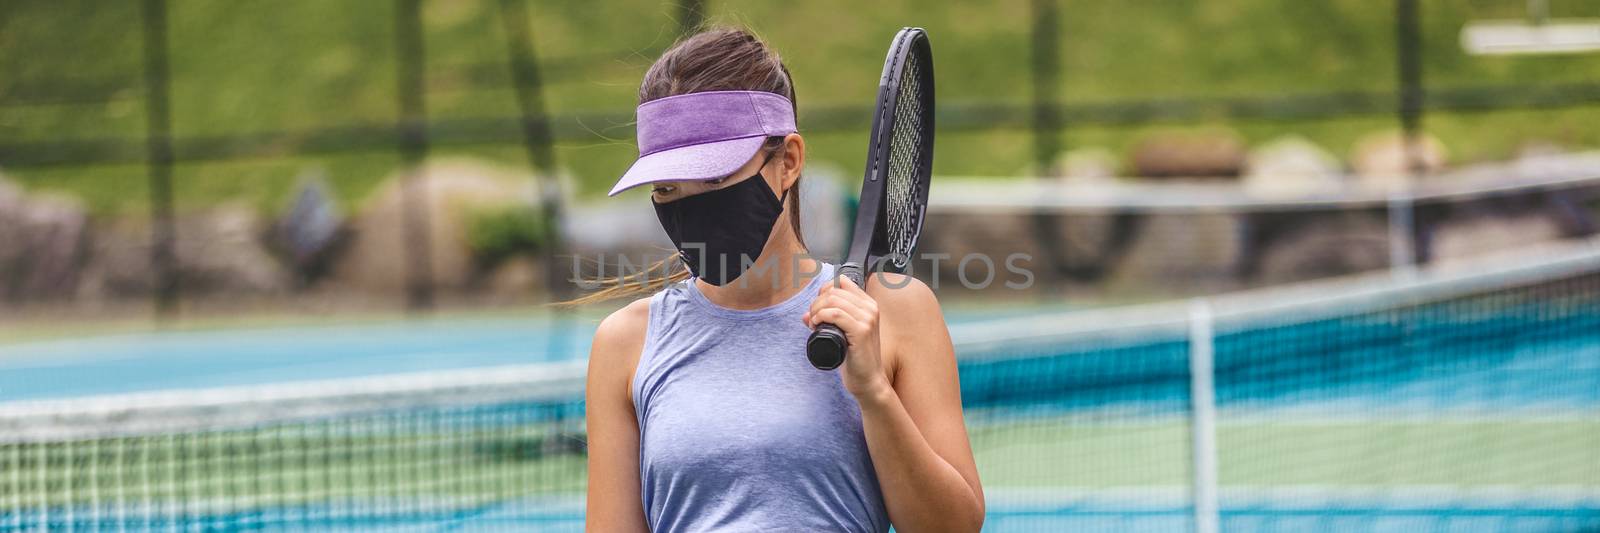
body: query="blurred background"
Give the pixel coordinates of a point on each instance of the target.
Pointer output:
(297, 157)
(342, 222)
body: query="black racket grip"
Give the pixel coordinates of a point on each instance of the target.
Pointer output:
(827, 344)
(826, 347)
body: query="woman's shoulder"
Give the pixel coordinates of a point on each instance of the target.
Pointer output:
(618, 341)
(895, 291)
(625, 324)
(909, 319)
(906, 305)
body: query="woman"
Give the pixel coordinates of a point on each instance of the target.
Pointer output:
(703, 412)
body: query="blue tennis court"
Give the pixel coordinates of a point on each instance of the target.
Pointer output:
(153, 361)
(159, 361)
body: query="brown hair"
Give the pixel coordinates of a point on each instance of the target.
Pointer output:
(717, 59)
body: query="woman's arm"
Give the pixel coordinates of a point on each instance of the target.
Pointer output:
(913, 422)
(613, 502)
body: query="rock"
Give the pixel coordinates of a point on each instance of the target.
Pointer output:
(218, 251)
(957, 236)
(1487, 233)
(378, 255)
(10, 194)
(1162, 253)
(1087, 165)
(42, 245)
(1380, 160)
(1291, 166)
(1082, 165)
(223, 248)
(119, 263)
(1180, 252)
(1188, 155)
(514, 279)
(1343, 244)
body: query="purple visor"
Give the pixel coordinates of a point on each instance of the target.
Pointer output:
(703, 136)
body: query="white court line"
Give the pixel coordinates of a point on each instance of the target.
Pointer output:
(224, 407)
(1280, 304)
(1296, 496)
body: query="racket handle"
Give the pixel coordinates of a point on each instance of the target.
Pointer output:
(827, 344)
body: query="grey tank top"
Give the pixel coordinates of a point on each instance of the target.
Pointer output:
(738, 432)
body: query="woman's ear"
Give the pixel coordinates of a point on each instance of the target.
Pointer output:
(794, 159)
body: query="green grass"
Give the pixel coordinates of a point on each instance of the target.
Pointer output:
(255, 65)
(1376, 454)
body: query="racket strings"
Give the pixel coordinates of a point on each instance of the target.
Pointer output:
(905, 151)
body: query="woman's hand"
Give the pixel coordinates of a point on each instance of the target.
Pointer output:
(845, 305)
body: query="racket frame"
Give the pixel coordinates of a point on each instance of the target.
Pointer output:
(825, 348)
(867, 248)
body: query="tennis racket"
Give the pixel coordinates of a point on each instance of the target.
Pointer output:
(894, 191)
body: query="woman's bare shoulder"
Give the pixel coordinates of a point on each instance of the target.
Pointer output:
(909, 298)
(910, 322)
(626, 323)
(618, 341)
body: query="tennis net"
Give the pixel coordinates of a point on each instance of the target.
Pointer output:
(1466, 398)
(494, 449)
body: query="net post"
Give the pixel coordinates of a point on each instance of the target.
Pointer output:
(159, 159)
(1403, 249)
(1044, 69)
(413, 146)
(1045, 121)
(1402, 234)
(537, 138)
(1203, 410)
(1408, 61)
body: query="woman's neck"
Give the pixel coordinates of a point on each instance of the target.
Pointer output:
(783, 269)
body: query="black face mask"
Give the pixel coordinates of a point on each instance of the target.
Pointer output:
(718, 233)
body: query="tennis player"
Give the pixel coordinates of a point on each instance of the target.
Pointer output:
(704, 413)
